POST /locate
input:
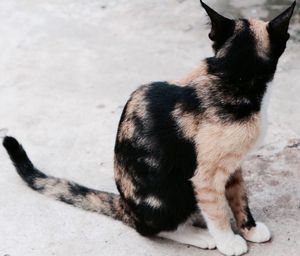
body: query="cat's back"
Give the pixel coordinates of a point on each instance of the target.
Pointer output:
(152, 109)
(150, 137)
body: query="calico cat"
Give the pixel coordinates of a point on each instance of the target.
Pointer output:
(180, 145)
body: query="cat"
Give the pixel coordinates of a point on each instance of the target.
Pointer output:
(180, 145)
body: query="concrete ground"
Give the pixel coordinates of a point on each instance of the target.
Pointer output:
(66, 70)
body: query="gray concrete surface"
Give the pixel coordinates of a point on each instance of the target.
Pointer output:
(67, 68)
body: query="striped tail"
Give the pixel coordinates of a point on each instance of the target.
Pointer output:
(68, 192)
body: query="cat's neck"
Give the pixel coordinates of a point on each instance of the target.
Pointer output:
(235, 77)
(241, 72)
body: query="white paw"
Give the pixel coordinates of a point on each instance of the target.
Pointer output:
(204, 241)
(234, 246)
(199, 238)
(258, 234)
(191, 236)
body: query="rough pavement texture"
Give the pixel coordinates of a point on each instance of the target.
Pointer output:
(66, 70)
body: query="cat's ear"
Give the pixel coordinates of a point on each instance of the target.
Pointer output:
(278, 27)
(221, 26)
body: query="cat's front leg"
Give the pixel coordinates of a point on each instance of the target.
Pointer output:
(237, 198)
(210, 193)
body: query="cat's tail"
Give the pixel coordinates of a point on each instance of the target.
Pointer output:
(68, 192)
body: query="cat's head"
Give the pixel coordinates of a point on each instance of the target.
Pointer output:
(240, 37)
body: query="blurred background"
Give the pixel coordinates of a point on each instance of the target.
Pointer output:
(67, 68)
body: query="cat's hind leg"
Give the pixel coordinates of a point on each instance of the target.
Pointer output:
(187, 234)
(237, 198)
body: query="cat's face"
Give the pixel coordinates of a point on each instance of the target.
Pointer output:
(246, 38)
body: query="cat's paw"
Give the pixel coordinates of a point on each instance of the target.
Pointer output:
(191, 236)
(234, 246)
(258, 234)
(205, 241)
(200, 239)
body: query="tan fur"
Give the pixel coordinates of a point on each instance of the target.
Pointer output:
(126, 130)
(102, 202)
(124, 181)
(220, 143)
(236, 196)
(199, 71)
(153, 201)
(259, 29)
(221, 148)
(95, 200)
(52, 186)
(108, 204)
(136, 105)
(122, 212)
(117, 171)
(57, 187)
(187, 122)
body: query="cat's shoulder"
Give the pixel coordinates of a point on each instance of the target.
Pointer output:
(167, 95)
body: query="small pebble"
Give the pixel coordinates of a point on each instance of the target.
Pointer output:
(188, 28)
(101, 106)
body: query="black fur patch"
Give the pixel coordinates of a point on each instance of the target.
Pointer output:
(168, 179)
(78, 190)
(66, 200)
(21, 161)
(249, 222)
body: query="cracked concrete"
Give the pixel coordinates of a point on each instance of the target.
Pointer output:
(67, 68)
